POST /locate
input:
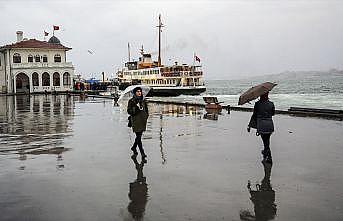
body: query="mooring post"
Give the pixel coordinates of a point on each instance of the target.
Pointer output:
(228, 109)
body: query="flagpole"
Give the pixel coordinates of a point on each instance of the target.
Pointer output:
(193, 59)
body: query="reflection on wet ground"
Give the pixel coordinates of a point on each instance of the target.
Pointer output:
(68, 158)
(138, 192)
(263, 198)
(35, 124)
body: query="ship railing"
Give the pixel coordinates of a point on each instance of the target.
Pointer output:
(179, 74)
(196, 73)
(170, 74)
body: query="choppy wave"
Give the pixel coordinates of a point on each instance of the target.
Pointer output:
(298, 89)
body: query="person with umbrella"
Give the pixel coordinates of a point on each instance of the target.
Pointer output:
(263, 112)
(137, 108)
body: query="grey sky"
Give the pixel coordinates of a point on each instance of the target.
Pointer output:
(233, 38)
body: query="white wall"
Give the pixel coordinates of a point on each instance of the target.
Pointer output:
(2, 72)
(40, 67)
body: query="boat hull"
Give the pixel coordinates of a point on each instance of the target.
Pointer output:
(176, 91)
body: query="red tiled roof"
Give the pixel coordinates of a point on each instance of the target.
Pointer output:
(33, 43)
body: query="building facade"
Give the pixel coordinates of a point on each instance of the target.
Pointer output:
(30, 66)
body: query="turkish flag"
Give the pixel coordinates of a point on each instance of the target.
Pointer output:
(46, 33)
(56, 27)
(197, 58)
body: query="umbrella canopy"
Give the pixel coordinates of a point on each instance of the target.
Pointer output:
(128, 92)
(255, 92)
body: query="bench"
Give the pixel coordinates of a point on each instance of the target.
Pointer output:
(212, 104)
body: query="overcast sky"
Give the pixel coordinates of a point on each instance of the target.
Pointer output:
(233, 39)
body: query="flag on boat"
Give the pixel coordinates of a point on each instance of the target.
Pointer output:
(56, 28)
(197, 58)
(46, 33)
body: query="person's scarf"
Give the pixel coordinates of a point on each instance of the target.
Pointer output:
(139, 100)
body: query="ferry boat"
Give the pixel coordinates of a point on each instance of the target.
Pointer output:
(164, 80)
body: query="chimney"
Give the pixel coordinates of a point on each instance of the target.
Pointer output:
(19, 36)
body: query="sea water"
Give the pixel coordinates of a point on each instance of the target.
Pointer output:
(295, 89)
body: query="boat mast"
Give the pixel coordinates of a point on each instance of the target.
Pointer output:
(128, 48)
(160, 25)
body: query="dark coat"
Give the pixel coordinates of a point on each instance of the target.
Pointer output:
(263, 111)
(138, 117)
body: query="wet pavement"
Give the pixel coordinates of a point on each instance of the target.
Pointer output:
(67, 158)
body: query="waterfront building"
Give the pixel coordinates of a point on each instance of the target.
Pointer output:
(33, 66)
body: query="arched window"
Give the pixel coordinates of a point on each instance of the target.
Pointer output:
(66, 79)
(56, 79)
(45, 79)
(45, 58)
(37, 58)
(35, 80)
(30, 58)
(22, 82)
(16, 58)
(57, 58)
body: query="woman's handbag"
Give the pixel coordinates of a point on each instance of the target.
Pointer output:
(253, 122)
(129, 124)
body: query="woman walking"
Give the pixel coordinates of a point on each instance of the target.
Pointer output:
(264, 109)
(137, 108)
